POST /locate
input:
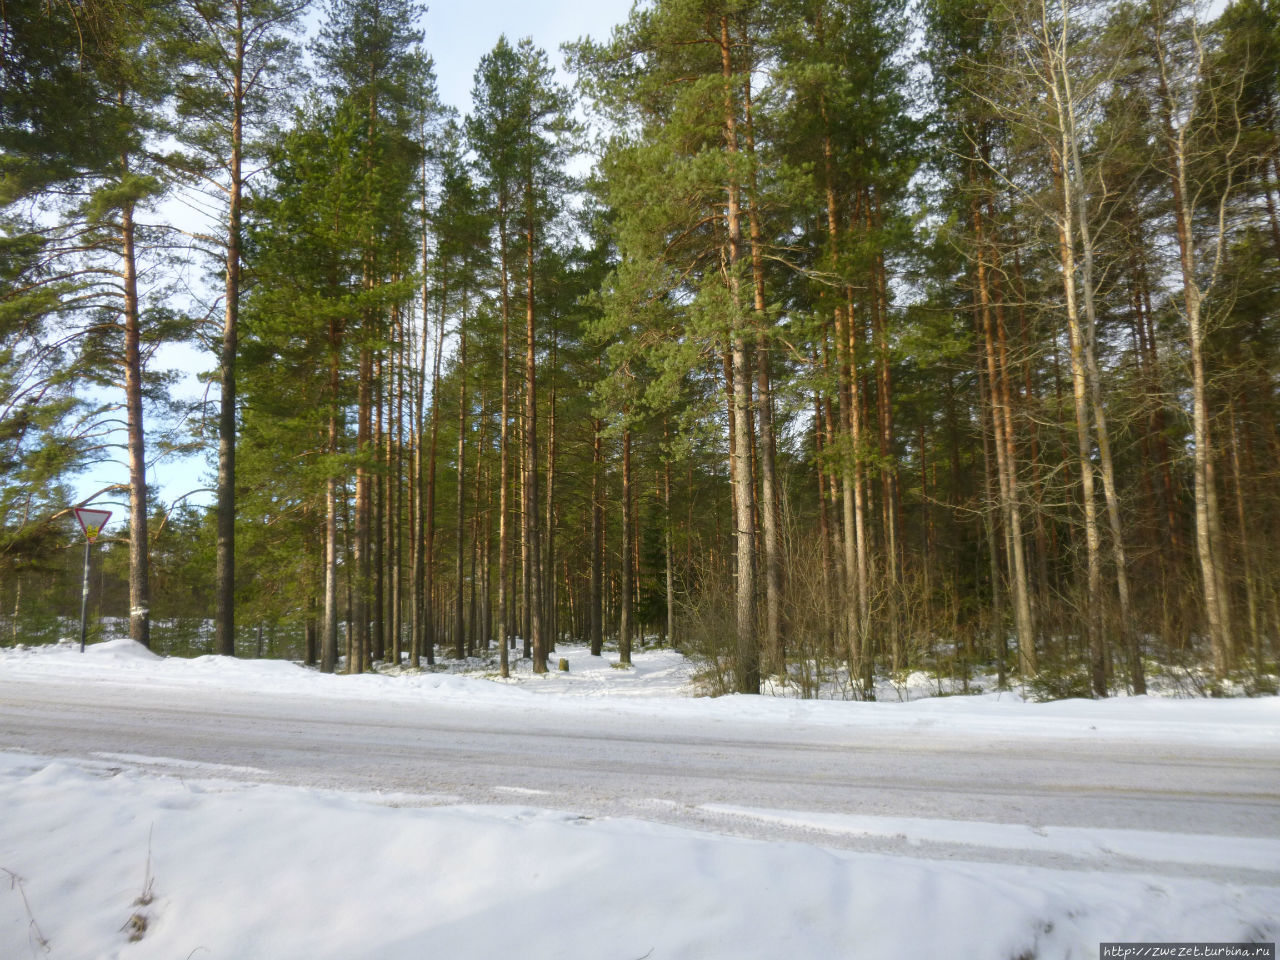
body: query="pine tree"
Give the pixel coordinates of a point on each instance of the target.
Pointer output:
(519, 131)
(462, 227)
(81, 108)
(686, 147)
(370, 53)
(235, 53)
(55, 124)
(133, 67)
(303, 244)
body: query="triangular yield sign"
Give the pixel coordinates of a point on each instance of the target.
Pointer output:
(92, 521)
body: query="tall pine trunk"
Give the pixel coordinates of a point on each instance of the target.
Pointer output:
(378, 513)
(504, 453)
(852, 499)
(364, 503)
(533, 573)
(768, 507)
(670, 570)
(419, 592)
(1006, 462)
(459, 629)
(329, 642)
(429, 508)
(748, 646)
(597, 541)
(398, 511)
(225, 559)
(550, 592)
(626, 627)
(139, 563)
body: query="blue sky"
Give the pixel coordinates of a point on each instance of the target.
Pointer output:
(460, 32)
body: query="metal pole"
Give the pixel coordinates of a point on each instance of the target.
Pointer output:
(84, 597)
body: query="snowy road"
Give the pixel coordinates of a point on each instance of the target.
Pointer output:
(767, 780)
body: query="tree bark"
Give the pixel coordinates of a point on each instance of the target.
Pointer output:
(429, 508)
(459, 625)
(397, 538)
(852, 497)
(329, 651)
(667, 546)
(225, 558)
(1209, 542)
(378, 512)
(139, 562)
(597, 542)
(774, 658)
(626, 615)
(550, 611)
(419, 592)
(1247, 564)
(1002, 419)
(992, 503)
(364, 504)
(1091, 600)
(533, 573)
(504, 450)
(748, 647)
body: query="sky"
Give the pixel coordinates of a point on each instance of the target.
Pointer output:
(458, 34)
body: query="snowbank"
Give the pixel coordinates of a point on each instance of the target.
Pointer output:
(235, 872)
(659, 685)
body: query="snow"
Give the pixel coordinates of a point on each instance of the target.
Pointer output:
(660, 685)
(1252, 853)
(262, 871)
(208, 859)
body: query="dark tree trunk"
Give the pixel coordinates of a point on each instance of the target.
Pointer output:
(533, 575)
(459, 624)
(597, 543)
(625, 625)
(225, 558)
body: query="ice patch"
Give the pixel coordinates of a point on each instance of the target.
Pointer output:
(523, 791)
(193, 765)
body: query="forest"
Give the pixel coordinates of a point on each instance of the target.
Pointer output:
(822, 339)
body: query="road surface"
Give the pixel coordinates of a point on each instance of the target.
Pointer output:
(599, 763)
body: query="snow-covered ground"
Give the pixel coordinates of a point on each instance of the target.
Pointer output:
(660, 683)
(156, 833)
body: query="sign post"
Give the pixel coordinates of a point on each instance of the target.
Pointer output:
(91, 522)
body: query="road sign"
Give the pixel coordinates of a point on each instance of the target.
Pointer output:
(92, 521)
